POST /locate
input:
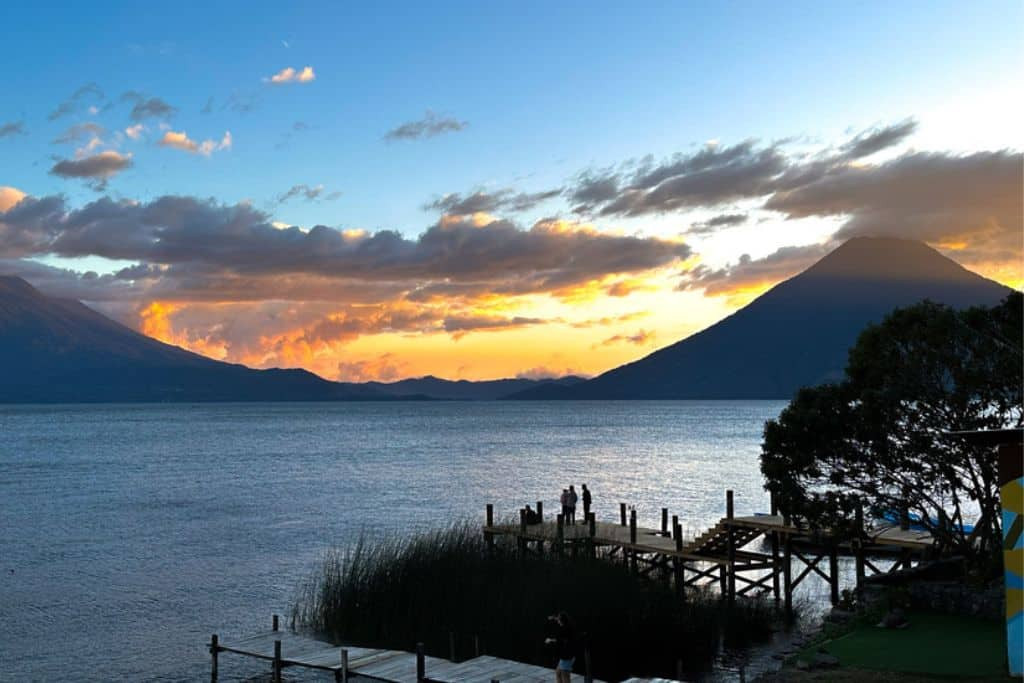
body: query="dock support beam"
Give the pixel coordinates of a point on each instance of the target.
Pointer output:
(787, 574)
(632, 540)
(622, 514)
(488, 536)
(214, 650)
(731, 552)
(664, 522)
(341, 676)
(421, 664)
(277, 662)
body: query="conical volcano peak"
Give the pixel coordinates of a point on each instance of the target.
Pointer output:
(888, 258)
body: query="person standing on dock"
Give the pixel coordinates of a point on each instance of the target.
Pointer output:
(586, 503)
(572, 504)
(565, 505)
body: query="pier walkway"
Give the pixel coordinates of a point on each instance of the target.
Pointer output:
(285, 649)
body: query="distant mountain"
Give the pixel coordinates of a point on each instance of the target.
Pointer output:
(796, 334)
(464, 390)
(56, 350)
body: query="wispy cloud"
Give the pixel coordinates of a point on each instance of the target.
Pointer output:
(181, 140)
(292, 75)
(144, 107)
(96, 169)
(484, 201)
(12, 128)
(427, 127)
(307, 192)
(75, 102)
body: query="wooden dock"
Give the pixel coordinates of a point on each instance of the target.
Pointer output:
(720, 557)
(285, 649)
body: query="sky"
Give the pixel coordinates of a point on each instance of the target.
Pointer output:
(484, 190)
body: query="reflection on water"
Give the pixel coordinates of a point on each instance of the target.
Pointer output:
(131, 533)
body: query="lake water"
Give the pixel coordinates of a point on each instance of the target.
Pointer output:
(130, 533)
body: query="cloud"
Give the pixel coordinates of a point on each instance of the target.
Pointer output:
(74, 103)
(487, 202)
(291, 75)
(9, 196)
(715, 224)
(180, 140)
(718, 174)
(460, 325)
(134, 132)
(750, 275)
(384, 368)
(640, 338)
(12, 128)
(79, 132)
(876, 139)
(97, 169)
(210, 250)
(147, 107)
(307, 192)
(973, 200)
(544, 372)
(427, 127)
(208, 107)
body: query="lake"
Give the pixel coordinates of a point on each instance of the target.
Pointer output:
(130, 533)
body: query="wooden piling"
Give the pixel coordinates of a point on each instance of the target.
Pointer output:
(559, 533)
(275, 622)
(787, 574)
(774, 538)
(728, 504)
(540, 511)
(833, 573)
(277, 661)
(664, 521)
(675, 524)
(488, 536)
(858, 543)
(678, 566)
(214, 650)
(342, 675)
(632, 540)
(421, 664)
(588, 675)
(622, 514)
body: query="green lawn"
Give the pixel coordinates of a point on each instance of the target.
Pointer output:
(933, 644)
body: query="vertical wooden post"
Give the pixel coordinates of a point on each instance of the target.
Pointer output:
(731, 556)
(632, 540)
(664, 521)
(522, 521)
(728, 504)
(451, 646)
(622, 514)
(858, 543)
(277, 661)
(588, 676)
(540, 511)
(774, 537)
(675, 524)
(559, 533)
(214, 650)
(343, 678)
(421, 664)
(490, 514)
(787, 574)
(275, 622)
(833, 573)
(677, 562)
(488, 523)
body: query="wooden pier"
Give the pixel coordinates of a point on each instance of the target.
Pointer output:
(720, 557)
(285, 649)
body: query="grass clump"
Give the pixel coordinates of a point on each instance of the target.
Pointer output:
(395, 592)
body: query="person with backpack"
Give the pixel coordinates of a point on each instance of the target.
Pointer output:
(586, 503)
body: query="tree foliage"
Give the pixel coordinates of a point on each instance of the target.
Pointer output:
(879, 437)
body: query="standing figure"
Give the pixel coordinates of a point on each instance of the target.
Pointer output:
(572, 504)
(564, 500)
(566, 649)
(586, 503)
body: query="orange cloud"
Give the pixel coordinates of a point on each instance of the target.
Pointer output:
(291, 75)
(181, 140)
(9, 196)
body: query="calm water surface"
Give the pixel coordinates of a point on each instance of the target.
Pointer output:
(130, 533)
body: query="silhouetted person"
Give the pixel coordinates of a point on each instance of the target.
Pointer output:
(572, 504)
(586, 503)
(565, 647)
(564, 500)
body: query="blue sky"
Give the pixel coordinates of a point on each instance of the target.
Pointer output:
(537, 98)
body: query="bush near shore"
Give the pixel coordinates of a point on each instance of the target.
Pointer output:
(395, 592)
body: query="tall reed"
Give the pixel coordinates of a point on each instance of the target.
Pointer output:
(394, 592)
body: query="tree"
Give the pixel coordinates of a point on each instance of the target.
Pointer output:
(879, 437)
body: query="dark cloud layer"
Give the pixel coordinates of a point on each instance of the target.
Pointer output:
(427, 127)
(716, 175)
(196, 244)
(144, 107)
(482, 201)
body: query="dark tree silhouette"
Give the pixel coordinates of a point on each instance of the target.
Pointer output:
(879, 435)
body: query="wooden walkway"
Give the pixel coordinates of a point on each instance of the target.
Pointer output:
(287, 649)
(719, 556)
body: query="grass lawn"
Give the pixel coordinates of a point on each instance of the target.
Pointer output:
(933, 645)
